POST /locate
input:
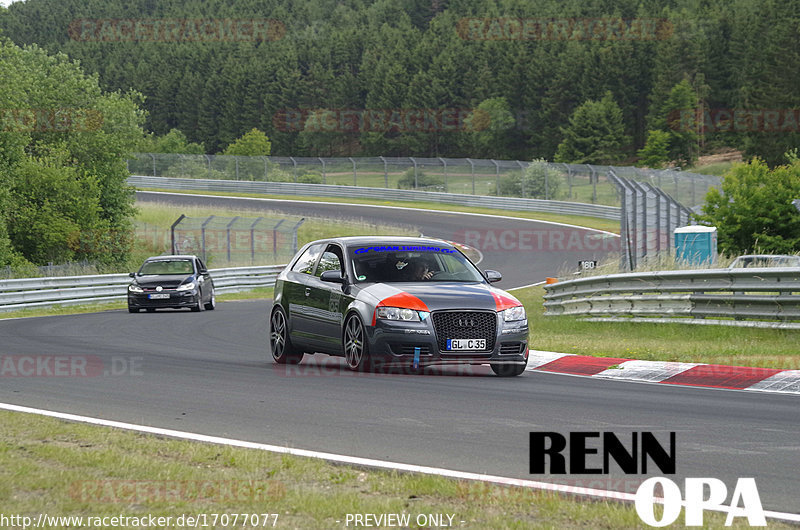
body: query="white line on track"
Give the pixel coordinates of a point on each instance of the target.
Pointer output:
(357, 461)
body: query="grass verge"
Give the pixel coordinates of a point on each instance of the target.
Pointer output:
(588, 222)
(766, 348)
(61, 468)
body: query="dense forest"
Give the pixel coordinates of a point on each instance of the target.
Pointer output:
(345, 56)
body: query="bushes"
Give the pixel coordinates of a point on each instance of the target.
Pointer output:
(310, 177)
(754, 211)
(538, 181)
(422, 181)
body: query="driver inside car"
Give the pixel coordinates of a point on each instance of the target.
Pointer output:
(419, 271)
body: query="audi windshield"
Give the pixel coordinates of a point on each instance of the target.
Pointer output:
(409, 263)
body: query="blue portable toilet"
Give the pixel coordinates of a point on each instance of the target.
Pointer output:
(696, 244)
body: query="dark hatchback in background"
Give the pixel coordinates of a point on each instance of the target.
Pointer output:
(171, 282)
(412, 302)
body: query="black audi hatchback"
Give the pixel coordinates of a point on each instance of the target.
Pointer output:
(379, 301)
(171, 282)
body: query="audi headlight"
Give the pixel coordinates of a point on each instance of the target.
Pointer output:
(514, 314)
(135, 288)
(397, 313)
(186, 287)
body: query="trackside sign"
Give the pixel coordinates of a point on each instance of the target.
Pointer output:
(593, 453)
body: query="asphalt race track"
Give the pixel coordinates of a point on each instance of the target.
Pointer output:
(208, 373)
(525, 251)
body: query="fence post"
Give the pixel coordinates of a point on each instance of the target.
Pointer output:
(155, 173)
(521, 178)
(355, 177)
(236, 159)
(569, 179)
(444, 163)
(228, 233)
(253, 239)
(294, 238)
(593, 179)
(203, 234)
(324, 174)
(275, 240)
(294, 168)
(385, 171)
(546, 183)
(416, 176)
(172, 231)
(266, 170)
(208, 163)
(472, 166)
(496, 177)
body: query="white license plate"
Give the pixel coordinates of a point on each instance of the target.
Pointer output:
(158, 296)
(466, 344)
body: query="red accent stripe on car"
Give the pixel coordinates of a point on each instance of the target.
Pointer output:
(402, 299)
(504, 301)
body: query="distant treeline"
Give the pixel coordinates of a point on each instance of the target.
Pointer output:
(304, 72)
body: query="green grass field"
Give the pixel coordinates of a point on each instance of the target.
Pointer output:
(62, 468)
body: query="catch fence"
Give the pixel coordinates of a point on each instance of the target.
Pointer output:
(582, 183)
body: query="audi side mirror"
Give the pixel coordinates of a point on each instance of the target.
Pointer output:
(333, 277)
(493, 276)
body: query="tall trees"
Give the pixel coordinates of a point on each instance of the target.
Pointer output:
(383, 54)
(63, 144)
(252, 143)
(595, 134)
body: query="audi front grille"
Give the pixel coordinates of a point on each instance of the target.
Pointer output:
(464, 325)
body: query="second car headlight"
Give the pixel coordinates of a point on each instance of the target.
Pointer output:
(514, 313)
(186, 287)
(397, 313)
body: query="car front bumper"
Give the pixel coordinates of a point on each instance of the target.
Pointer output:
(177, 299)
(409, 343)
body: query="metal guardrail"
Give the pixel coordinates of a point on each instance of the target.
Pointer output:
(73, 290)
(763, 294)
(383, 194)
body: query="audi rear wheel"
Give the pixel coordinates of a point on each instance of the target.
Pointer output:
(280, 343)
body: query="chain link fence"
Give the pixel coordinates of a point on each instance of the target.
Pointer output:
(581, 183)
(649, 217)
(235, 241)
